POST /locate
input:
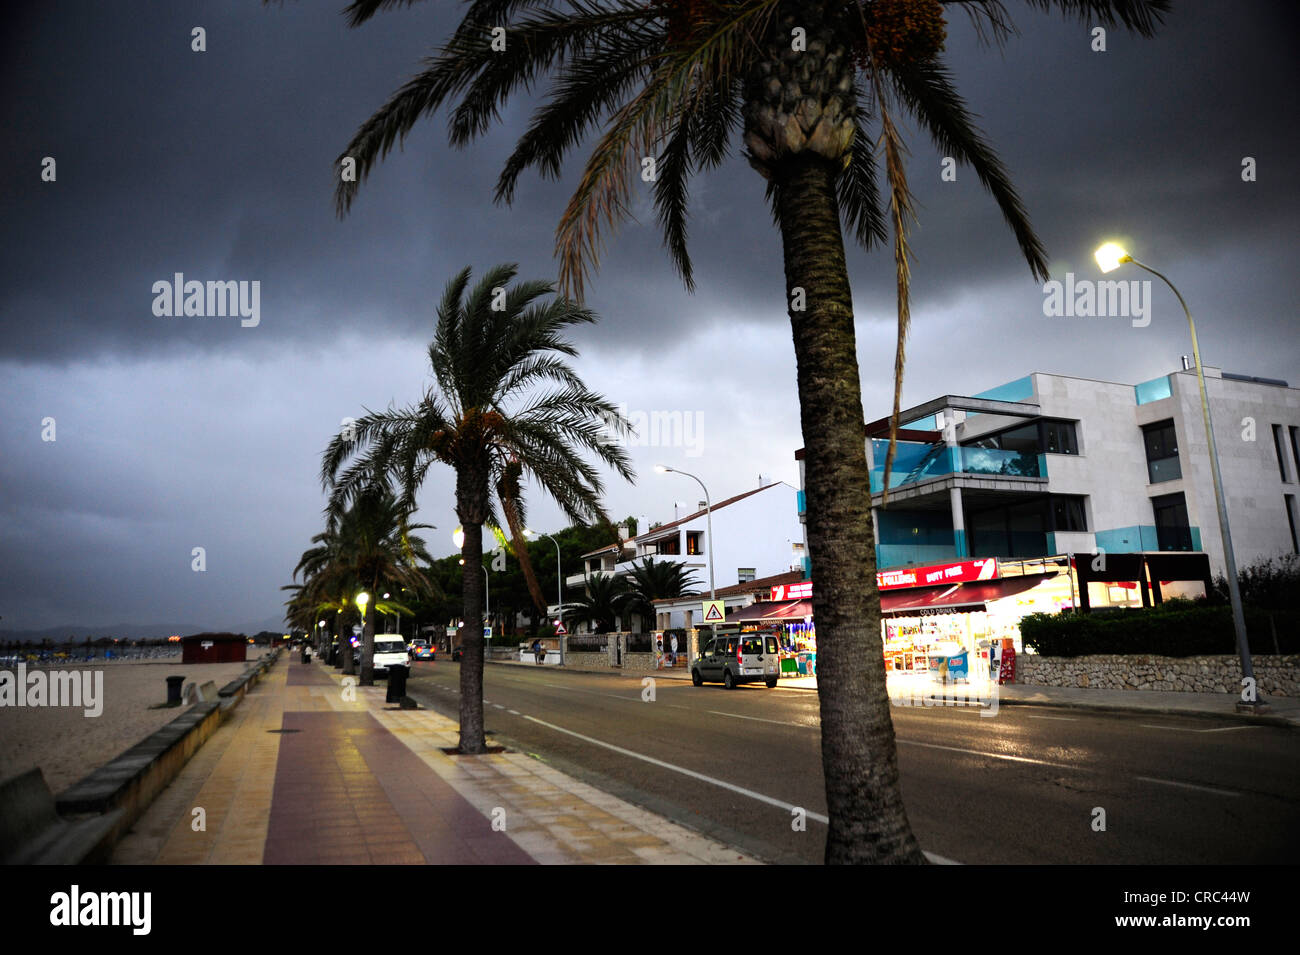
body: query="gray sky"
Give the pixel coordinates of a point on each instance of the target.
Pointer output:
(175, 433)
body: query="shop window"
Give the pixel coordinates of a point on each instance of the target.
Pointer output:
(1068, 514)
(1161, 443)
(1173, 531)
(695, 542)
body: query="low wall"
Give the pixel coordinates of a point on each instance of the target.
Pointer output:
(131, 781)
(593, 661)
(1277, 675)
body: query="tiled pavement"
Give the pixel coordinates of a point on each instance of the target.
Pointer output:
(309, 771)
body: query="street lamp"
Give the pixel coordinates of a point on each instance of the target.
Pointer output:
(559, 584)
(708, 516)
(1110, 257)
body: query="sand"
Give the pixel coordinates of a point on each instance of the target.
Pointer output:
(68, 745)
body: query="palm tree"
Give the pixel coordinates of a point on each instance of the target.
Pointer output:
(652, 580)
(602, 604)
(365, 547)
(506, 407)
(801, 81)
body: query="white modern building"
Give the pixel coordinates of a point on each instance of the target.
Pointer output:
(1054, 465)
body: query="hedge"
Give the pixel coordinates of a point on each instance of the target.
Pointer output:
(1173, 631)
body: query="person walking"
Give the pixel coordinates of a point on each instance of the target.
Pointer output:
(672, 650)
(538, 652)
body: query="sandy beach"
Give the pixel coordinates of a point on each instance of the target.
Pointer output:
(67, 745)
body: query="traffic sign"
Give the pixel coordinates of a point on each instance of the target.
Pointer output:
(714, 612)
(559, 628)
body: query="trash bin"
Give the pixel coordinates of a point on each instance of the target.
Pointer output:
(396, 683)
(174, 689)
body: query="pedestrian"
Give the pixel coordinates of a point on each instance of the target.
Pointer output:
(672, 650)
(538, 652)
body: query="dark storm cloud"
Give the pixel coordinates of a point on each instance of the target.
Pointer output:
(176, 432)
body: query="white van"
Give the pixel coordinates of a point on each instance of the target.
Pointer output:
(738, 658)
(390, 650)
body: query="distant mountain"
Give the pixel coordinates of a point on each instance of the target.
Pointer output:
(134, 631)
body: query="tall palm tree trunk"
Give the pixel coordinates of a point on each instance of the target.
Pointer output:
(868, 822)
(471, 507)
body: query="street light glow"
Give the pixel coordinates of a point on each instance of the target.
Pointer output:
(458, 538)
(662, 469)
(1110, 256)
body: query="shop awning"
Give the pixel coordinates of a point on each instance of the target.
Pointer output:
(968, 595)
(772, 611)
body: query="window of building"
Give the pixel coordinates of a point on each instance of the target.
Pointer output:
(1295, 449)
(1068, 514)
(1045, 436)
(1173, 531)
(745, 574)
(668, 545)
(1289, 501)
(695, 542)
(1161, 443)
(1060, 437)
(1281, 455)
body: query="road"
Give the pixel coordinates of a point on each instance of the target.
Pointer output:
(1020, 787)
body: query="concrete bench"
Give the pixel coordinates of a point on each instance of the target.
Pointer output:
(33, 833)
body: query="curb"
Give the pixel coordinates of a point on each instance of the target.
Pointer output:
(1261, 720)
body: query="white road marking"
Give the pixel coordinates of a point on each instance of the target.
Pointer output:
(759, 719)
(976, 752)
(497, 705)
(818, 817)
(513, 712)
(815, 816)
(1176, 729)
(1063, 719)
(1228, 729)
(1204, 789)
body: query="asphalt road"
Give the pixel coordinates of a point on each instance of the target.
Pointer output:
(1019, 787)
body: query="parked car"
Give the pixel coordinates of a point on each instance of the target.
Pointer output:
(390, 651)
(738, 658)
(422, 651)
(457, 653)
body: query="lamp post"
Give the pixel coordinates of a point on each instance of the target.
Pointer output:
(1110, 257)
(708, 517)
(559, 584)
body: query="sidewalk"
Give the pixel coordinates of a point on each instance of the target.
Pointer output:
(308, 771)
(1283, 711)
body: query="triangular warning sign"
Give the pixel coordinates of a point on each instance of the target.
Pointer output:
(559, 628)
(713, 613)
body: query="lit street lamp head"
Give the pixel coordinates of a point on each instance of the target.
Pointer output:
(1110, 256)
(458, 538)
(662, 469)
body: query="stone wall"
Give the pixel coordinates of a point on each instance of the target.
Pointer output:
(1277, 675)
(586, 661)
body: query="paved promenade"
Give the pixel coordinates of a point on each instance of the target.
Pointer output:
(309, 771)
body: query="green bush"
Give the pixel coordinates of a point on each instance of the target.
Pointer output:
(1177, 629)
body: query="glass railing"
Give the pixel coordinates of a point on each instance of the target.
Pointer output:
(915, 462)
(1153, 390)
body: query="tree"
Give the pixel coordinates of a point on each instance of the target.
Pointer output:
(506, 407)
(367, 547)
(605, 599)
(652, 580)
(801, 81)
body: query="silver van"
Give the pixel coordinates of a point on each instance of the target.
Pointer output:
(738, 658)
